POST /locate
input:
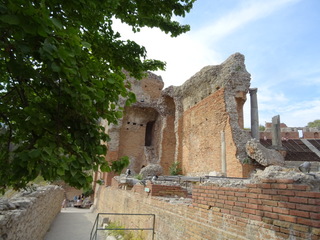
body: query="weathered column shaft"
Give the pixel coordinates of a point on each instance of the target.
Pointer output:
(254, 113)
(223, 154)
(276, 132)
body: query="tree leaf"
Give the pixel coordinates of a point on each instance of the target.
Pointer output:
(86, 44)
(10, 19)
(62, 70)
(56, 22)
(60, 171)
(34, 153)
(55, 67)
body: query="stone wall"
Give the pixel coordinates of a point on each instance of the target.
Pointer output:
(29, 214)
(274, 210)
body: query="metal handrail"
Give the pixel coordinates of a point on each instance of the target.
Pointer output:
(95, 228)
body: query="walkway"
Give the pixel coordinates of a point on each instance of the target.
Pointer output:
(71, 223)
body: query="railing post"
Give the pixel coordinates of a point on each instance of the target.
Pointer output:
(154, 220)
(97, 223)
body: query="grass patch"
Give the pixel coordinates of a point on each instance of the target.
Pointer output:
(119, 233)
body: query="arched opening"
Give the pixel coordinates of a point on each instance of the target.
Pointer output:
(149, 133)
(316, 135)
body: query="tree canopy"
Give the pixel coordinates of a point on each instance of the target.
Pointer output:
(315, 123)
(61, 67)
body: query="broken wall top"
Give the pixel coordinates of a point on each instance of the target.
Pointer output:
(231, 75)
(147, 89)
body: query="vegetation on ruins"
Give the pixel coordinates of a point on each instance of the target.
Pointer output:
(117, 230)
(174, 169)
(138, 176)
(314, 124)
(61, 67)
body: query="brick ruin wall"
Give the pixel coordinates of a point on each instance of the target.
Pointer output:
(29, 215)
(209, 103)
(201, 147)
(274, 209)
(187, 122)
(198, 121)
(292, 132)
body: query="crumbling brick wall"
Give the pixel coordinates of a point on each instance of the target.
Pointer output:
(202, 126)
(187, 122)
(274, 209)
(290, 210)
(207, 104)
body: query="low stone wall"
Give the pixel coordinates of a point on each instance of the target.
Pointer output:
(274, 209)
(29, 214)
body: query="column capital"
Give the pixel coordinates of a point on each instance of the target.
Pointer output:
(253, 90)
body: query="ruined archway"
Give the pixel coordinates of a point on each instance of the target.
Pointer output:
(138, 136)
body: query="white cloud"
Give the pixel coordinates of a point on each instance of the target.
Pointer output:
(300, 114)
(188, 53)
(294, 114)
(237, 18)
(184, 55)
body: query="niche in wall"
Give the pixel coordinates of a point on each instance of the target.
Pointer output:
(149, 133)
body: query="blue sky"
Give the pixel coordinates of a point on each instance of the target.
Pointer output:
(279, 38)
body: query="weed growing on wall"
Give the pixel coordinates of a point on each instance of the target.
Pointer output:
(175, 169)
(138, 176)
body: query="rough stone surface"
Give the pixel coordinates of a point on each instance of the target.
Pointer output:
(277, 172)
(29, 214)
(151, 170)
(272, 172)
(266, 157)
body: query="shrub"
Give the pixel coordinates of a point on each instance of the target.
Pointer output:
(175, 169)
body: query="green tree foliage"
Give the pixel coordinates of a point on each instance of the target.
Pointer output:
(262, 128)
(315, 124)
(61, 66)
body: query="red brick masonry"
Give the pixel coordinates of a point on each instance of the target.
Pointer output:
(286, 207)
(160, 190)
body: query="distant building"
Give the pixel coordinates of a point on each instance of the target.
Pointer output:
(291, 132)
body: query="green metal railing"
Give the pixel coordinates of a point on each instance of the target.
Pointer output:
(96, 227)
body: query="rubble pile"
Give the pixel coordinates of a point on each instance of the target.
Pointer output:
(271, 172)
(276, 172)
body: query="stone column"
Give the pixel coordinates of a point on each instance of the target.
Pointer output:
(223, 155)
(276, 132)
(254, 114)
